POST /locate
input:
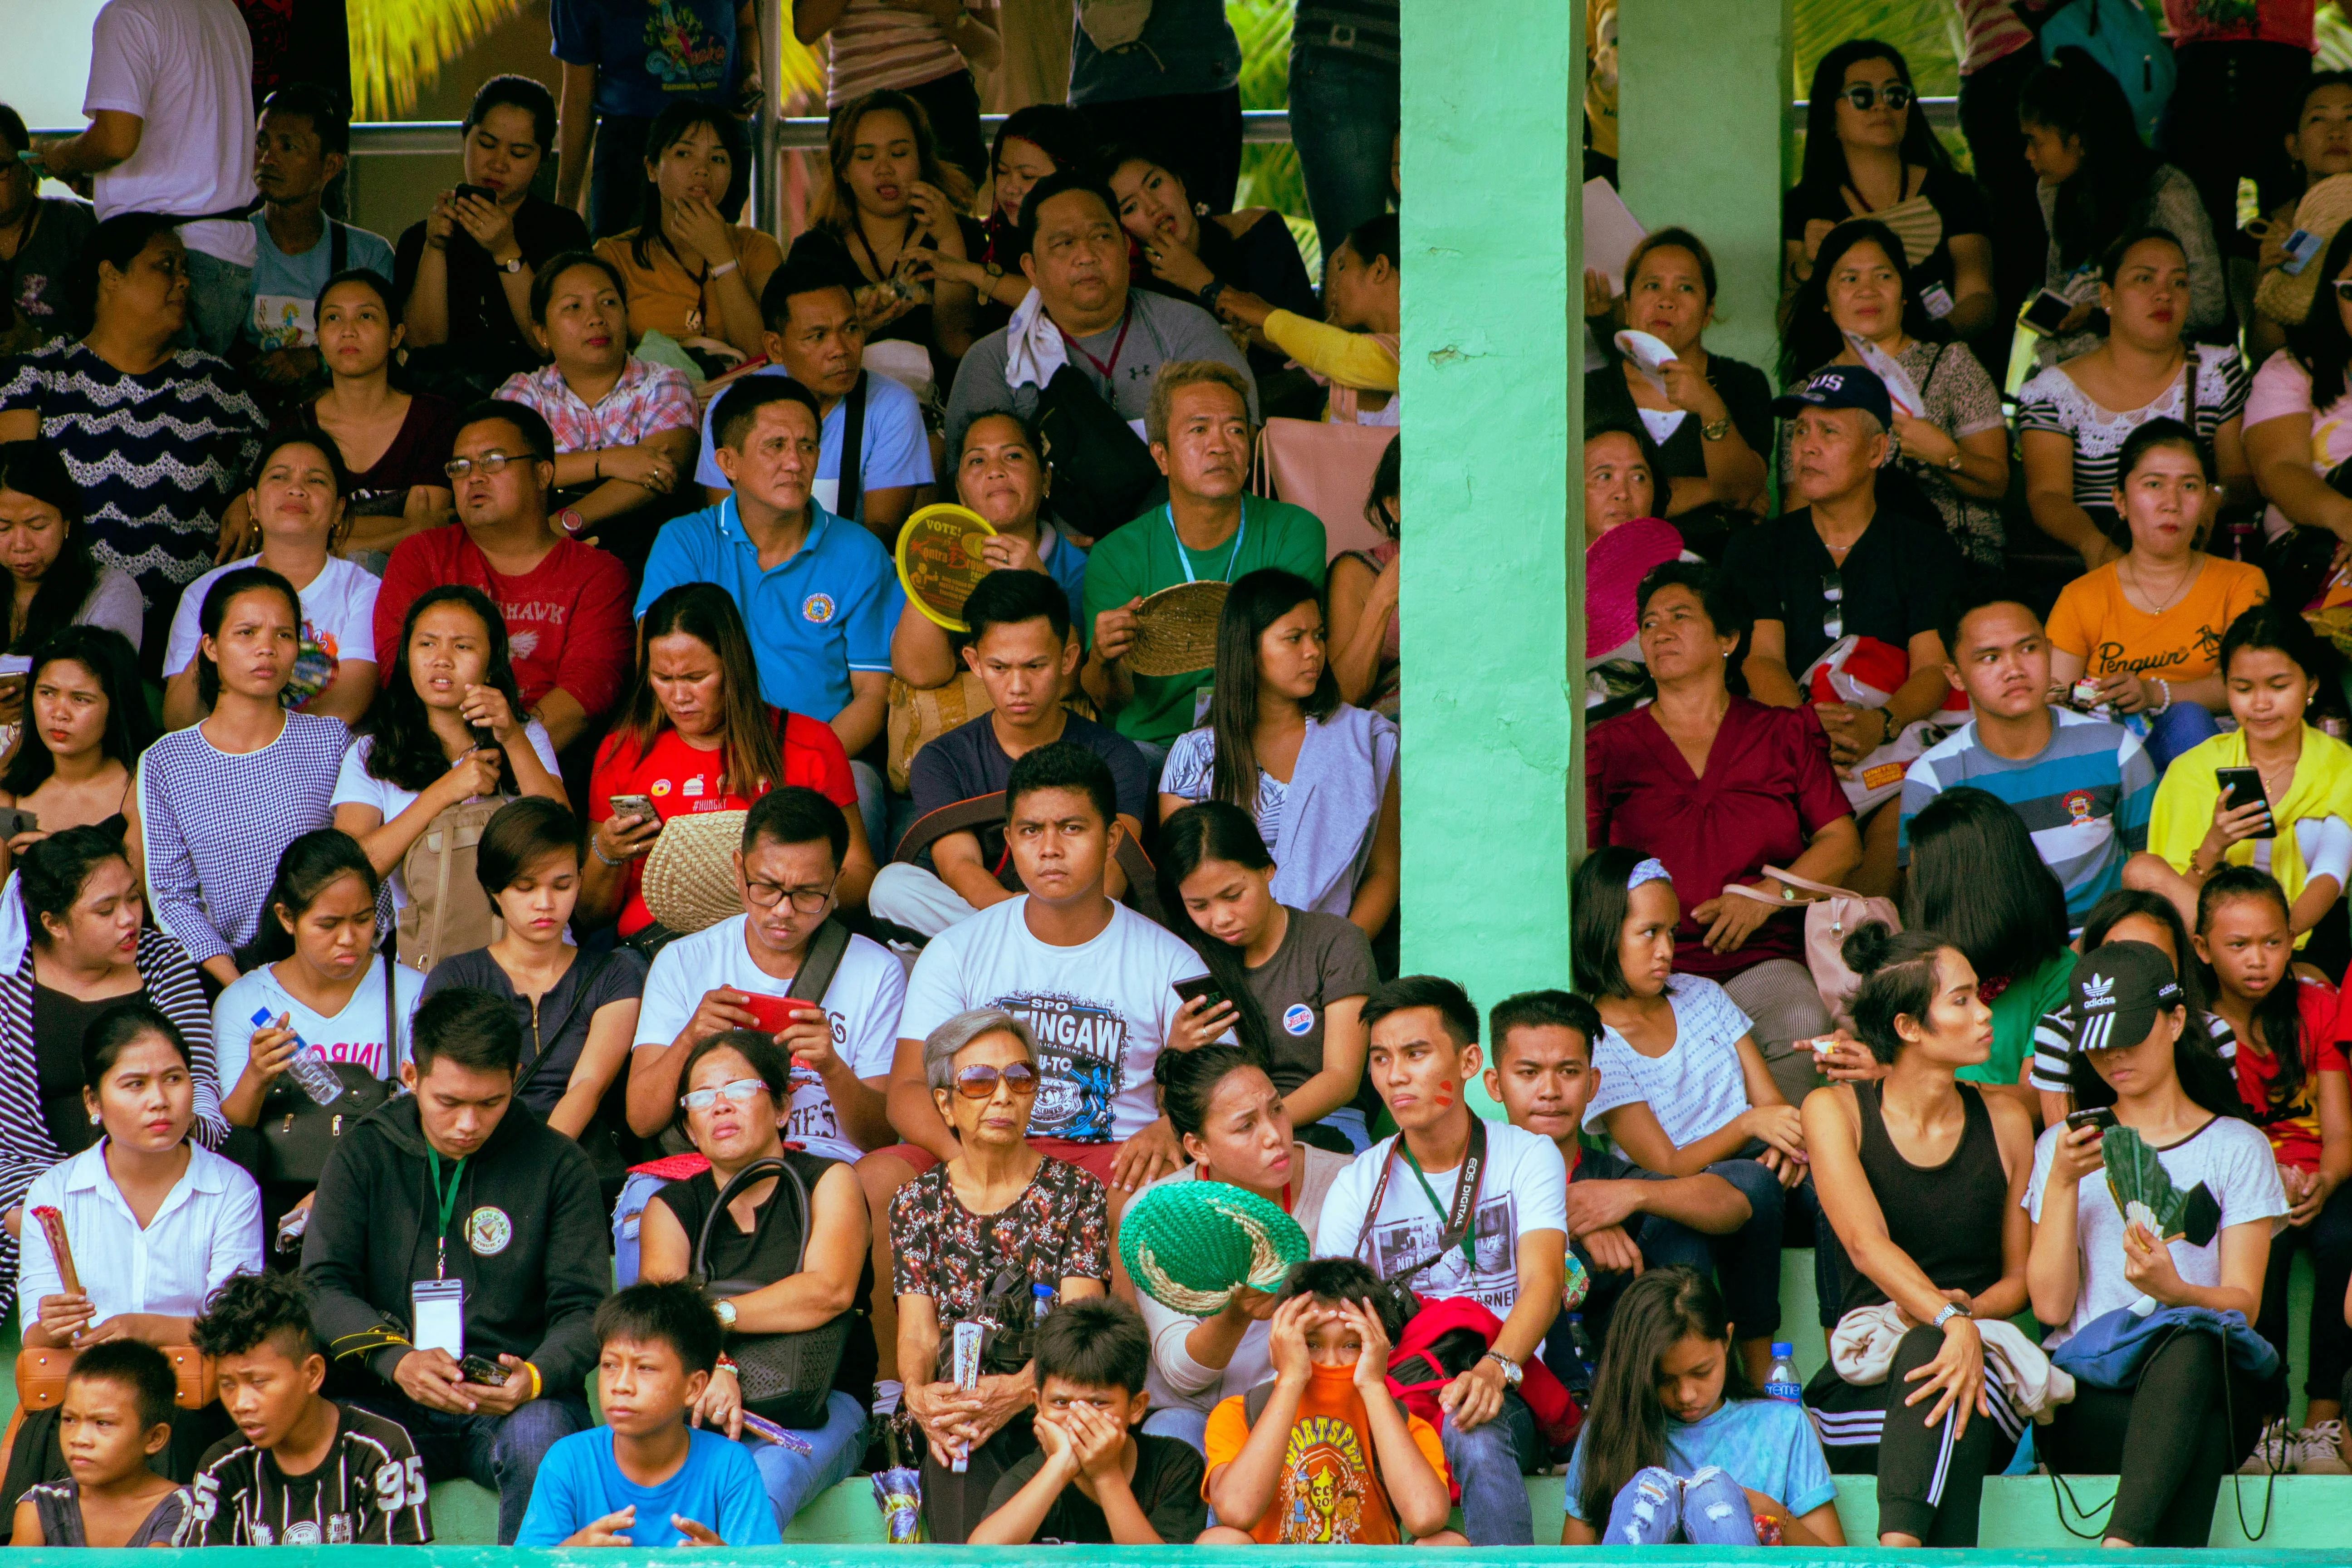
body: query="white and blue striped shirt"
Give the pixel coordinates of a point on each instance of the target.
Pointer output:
(214, 825)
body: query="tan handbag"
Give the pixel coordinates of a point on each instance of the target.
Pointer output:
(1328, 469)
(1832, 914)
(448, 910)
(920, 715)
(41, 1376)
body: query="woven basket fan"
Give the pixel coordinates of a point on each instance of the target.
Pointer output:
(1191, 1244)
(1176, 630)
(689, 883)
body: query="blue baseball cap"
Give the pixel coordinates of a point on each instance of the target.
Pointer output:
(1839, 386)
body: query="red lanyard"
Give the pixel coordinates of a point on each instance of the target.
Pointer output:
(1126, 320)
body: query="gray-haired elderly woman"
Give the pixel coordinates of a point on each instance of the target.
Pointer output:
(981, 1239)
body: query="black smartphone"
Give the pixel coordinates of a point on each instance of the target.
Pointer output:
(1203, 986)
(2244, 786)
(482, 1372)
(15, 820)
(2049, 308)
(484, 192)
(2099, 1116)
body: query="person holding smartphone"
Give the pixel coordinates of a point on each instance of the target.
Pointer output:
(2201, 822)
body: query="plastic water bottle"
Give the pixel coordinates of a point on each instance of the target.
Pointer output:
(307, 1068)
(1781, 1381)
(1580, 1366)
(1041, 1304)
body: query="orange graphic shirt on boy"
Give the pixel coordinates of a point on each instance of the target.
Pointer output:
(1329, 1493)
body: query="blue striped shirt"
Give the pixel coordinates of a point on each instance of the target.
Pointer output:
(2085, 797)
(214, 825)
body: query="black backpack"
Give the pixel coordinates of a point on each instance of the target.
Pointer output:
(1103, 473)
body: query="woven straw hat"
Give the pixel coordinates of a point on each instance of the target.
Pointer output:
(1176, 630)
(1189, 1245)
(2286, 297)
(689, 883)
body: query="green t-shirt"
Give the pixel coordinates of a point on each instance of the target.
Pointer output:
(2014, 1013)
(1140, 558)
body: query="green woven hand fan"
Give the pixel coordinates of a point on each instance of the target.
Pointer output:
(2141, 1186)
(1189, 1245)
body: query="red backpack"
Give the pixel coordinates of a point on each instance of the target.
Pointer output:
(1442, 1339)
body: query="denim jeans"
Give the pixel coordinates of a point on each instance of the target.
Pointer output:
(792, 1479)
(1747, 1261)
(1181, 1422)
(220, 295)
(1658, 1507)
(1343, 120)
(628, 1209)
(501, 1452)
(873, 807)
(2177, 728)
(1486, 1462)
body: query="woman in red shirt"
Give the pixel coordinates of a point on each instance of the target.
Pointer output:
(694, 736)
(2291, 1075)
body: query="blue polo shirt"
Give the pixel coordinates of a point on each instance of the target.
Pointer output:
(820, 614)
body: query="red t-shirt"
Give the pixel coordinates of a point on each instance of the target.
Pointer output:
(679, 779)
(2293, 1129)
(1769, 789)
(568, 621)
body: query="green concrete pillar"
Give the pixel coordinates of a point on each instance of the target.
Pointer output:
(1701, 113)
(1493, 595)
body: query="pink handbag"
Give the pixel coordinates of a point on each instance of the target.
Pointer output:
(1831, 916)
(1328, 469)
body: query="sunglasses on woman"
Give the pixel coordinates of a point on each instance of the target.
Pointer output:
(979, 1081)
(2343, 287)
(1864, 96)
(740, 1091)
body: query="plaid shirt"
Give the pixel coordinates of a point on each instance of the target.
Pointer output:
(647, 400)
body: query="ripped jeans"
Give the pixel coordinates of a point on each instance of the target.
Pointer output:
(1657, 1508)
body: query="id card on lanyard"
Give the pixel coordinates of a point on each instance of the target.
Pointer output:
(437, 1306)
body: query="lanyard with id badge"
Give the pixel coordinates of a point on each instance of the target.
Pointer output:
(437, 1306)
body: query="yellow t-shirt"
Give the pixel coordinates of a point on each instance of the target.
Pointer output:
(663, 295)
(1331, 1492)
(2093, 622)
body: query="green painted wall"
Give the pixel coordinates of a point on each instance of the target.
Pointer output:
(1492, 374)
(1701, 110)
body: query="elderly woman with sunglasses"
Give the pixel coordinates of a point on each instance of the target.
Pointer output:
(981, 1238)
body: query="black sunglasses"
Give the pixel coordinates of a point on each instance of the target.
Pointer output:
(1863, 95)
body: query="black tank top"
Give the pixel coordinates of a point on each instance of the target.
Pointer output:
(1948, 1217)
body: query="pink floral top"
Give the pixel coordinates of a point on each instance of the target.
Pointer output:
(647, 400)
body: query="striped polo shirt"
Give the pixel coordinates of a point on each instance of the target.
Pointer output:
(878, 45)
(2085, 797)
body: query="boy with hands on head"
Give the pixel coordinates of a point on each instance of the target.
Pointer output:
(1325, 1454)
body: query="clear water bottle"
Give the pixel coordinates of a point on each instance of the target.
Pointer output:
(1040, 1303)
(307, 1068)
(1781, 1381)
(1580, 1363)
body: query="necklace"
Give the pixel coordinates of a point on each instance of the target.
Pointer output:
(2139, 582)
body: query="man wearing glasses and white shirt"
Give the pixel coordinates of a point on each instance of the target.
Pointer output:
(735, 975)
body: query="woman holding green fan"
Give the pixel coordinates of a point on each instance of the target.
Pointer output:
(2187, 1416)
(1230, 1119)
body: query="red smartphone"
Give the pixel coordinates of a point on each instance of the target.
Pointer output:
(774, 1014)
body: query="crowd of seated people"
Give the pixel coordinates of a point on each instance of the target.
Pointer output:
(589, 915)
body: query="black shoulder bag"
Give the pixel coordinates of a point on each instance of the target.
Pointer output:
(1103, 473)
(785, 1377)
(298, 1134)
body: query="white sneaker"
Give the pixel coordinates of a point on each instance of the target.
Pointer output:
(2274, 1454)
(2319, 1450)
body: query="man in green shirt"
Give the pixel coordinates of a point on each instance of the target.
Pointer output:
(1199, 426)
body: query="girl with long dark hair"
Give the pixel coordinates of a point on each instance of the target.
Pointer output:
(2188, 1417)
(1976, 879)
(396, 441)
(1308, 972)
(45, 545)
(695, 719)
(1040, 140)
(2319, 146)
(1278, 734)
(87, 724)
(2290, 1072)
(1235, 1125)
(1955, 457)
(1922, 1178)
(448, 728)
(1184, 252)
(686, 270)
(1871, 153)
(297, 500)
(1670, 1400)
(2127, 914)
(2099, 180)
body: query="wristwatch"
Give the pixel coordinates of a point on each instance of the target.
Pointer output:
(1209, 293)
(1512, 1371)
(1716, 430)
(1951, 1309)
(569, 521)
(725, 1312)
(516, 265)
(1953, 462)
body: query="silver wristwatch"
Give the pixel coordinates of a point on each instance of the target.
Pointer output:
(1951, 1309)
(1512, 1371)
(725, 1311)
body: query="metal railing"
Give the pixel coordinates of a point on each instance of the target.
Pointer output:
(794, 134)
(1943, 113)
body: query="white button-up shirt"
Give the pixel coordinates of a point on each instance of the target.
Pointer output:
(207, 1229)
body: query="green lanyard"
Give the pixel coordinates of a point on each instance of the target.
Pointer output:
(1470, 1225)
(448, 1202)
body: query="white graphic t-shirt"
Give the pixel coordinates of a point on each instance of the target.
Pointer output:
(338, 622)
(1523, 1189)
(1102, 1010)
(353, 1035)
(862, 1003)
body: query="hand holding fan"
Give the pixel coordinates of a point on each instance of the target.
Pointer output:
(53, 1228)
(1191, 1244)
(1900, 387)
(1650, 355)
(2141, 1186)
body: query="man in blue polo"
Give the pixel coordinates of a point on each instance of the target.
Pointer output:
(814, 589)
